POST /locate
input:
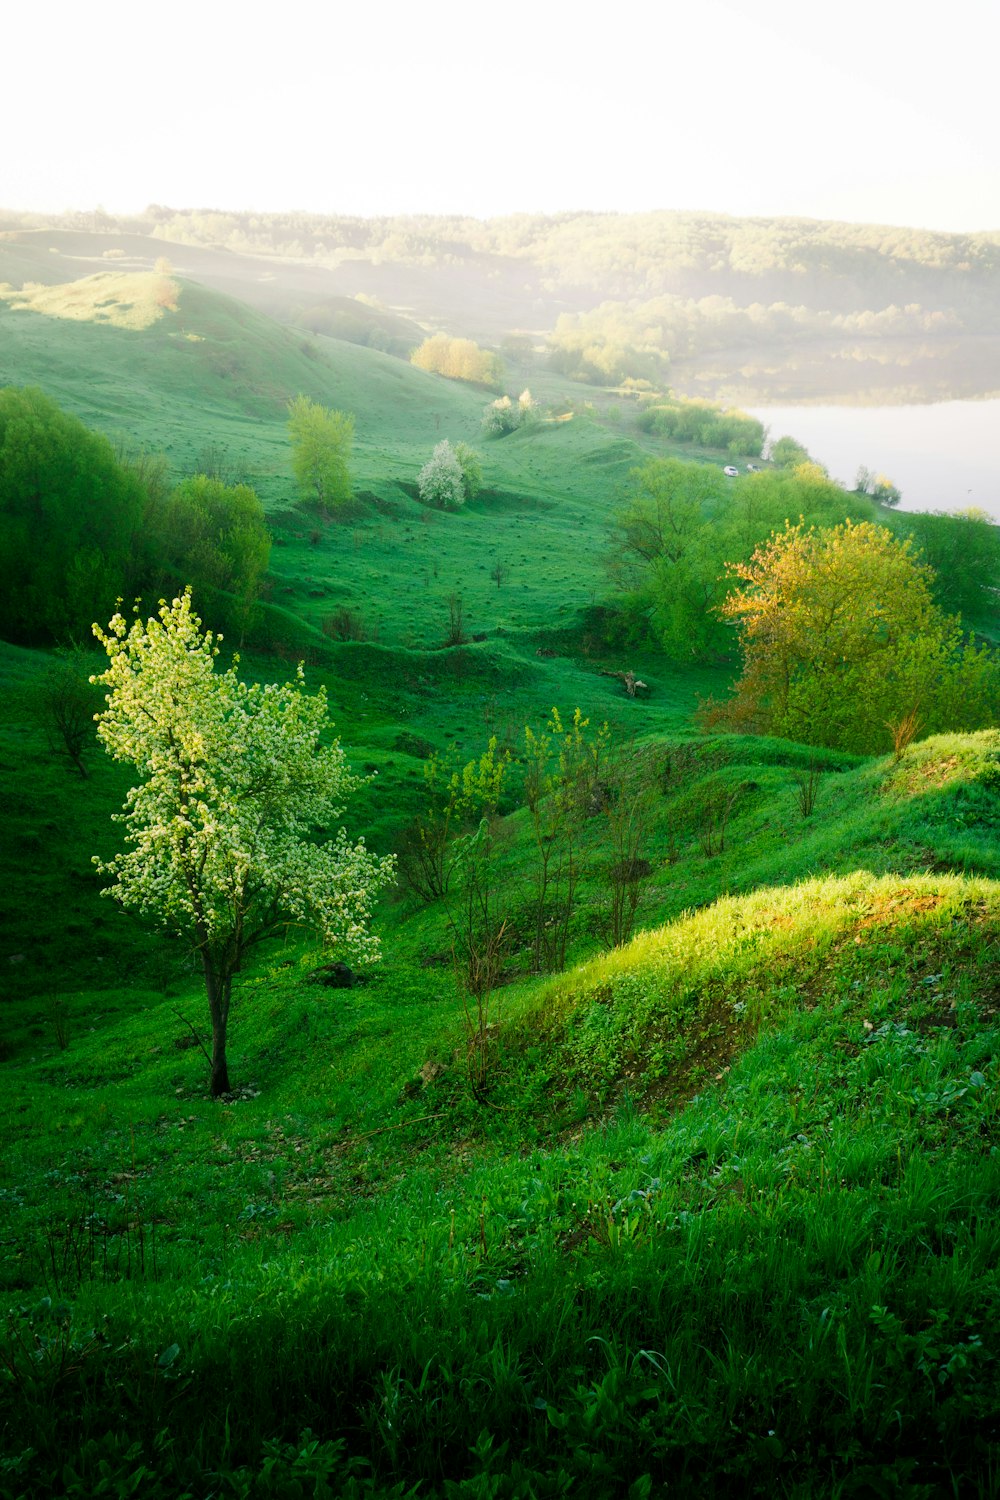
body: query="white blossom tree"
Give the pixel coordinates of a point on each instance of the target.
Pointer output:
(441, 480)
(227, 833)
(501, 417)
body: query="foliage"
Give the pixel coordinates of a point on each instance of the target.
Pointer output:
(458, 359)
(441, 481)
(563, 766)
(840, 634)
(215, 461)
(879, 486)
(471, 465)
(65, 703)
(428, 854)
(680, 525)
(213, 537)
(963, 548)
(70, 516)
(608, 346)
(786, 453)
(478, 912)
(220, 829)
(705, 424)
(321, 452)
(452, 475)
(629, 812)
(500, 417)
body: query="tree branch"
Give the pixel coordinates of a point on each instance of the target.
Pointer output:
(197, 1038)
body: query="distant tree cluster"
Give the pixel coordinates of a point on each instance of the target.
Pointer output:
(619, 340)
(879, 486)
(707, 425)
(651, 286)
(608, 346)
(684, 253)
(459, 359)
(82, 525)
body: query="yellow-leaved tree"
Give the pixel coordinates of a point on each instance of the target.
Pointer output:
(841, 639)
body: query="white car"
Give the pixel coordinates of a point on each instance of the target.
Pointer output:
(731, 471)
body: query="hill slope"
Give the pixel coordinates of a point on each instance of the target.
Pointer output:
(714, 1211)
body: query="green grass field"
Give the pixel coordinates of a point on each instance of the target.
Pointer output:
(713, 1212)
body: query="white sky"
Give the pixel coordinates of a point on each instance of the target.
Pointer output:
(877, 110)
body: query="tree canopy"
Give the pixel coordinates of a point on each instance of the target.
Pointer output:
(681, 524)
(212, 536)
(964, 550)
(458, 359)
(221, 831)
(321, 452)
(440, 480)
(70, 515)
(452, 475)
(841, 638)
(83, 524)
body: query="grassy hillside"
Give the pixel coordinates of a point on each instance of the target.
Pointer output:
(790, 1276)
(714, 1210)
(211, 373)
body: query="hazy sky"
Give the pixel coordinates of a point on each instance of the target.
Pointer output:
(860, 109)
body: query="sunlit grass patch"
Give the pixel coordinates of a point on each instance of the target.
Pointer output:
(132, 300)
(938, 762)
(699, 989)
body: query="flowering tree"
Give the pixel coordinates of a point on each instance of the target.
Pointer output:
(501, 417)
(441, 480)
(221, 831)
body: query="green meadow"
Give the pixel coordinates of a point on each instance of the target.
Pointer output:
(698, 1198)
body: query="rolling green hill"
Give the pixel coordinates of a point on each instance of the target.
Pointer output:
(712, 1211)
(212, 372)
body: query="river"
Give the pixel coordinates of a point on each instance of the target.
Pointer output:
(942, 456)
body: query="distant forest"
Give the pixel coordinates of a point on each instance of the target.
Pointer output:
(619, 296)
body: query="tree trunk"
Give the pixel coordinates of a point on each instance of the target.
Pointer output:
(219, 987)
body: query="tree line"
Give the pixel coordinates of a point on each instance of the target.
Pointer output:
(644, 288)
(83, 523)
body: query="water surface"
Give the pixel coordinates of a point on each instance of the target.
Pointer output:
(943, 456)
